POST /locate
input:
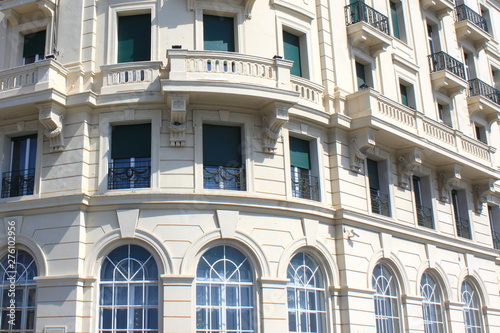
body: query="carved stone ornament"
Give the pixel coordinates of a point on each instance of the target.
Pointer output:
(51, 116)
(274, 120)
(248, 5)
(358, 145)
(407, 163)
(481, 193)
(178, 124)
(447, 180)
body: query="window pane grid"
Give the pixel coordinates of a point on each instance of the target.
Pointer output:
(431, 305)
(471, 309)
(386, 300)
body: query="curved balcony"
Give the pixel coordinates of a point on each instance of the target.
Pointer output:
(471, 25)
(242, 79)
(402, 127)
(482, 97)
(131, 76)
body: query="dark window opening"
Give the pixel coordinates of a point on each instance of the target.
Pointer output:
(134, 38)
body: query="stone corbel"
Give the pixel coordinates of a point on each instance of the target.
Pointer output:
(12, 16)
(359, 143)
(274, 120)
(449, 179)
(51, 116)
(178, 123)
(47, 7)
(481, 193)
(407, 163)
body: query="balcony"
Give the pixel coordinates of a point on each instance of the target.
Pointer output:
(401, 127)
(482, 97)
(472, 26)
(440, 7)
(447, 73)
(242, 79)
(224, 178)
(131, 76)
(424, 217)
(367, 27)
(39, 76)
(463, 227)
(380, 203)
(304, 185)
(129, 174)
(18, 183)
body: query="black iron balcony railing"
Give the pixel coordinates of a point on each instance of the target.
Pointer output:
(463, 227)
(304, 185)
(17, 183)
(223, 178)
(465, 13)
(440, 61)
(360, 12)
(129, 174)
(481, 88)
(380, 202)
(424, 217)
(496, 239)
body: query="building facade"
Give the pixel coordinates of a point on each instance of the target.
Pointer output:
(249, 166)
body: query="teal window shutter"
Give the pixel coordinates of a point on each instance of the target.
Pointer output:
(34, 44)
(404, 94)
(373, 175)
(299, 153)
(218, 33)
(291, 45)
(360, 73)
(222, 146)
(134, 38)
(395, 23)
(129, 141)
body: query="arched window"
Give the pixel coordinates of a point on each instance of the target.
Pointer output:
(432, 304)
(472, 308)
(129, 291)
(386, 300)
(224, 292)
(306, 295)
(18, 269)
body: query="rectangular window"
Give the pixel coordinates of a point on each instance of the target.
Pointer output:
(396, 19)
(444, 114)
(223, 167)
(460, 209)
(469, 65)
(480, 133)
(423, 204)
(495, 74)
(379, 188)
(134, 38)
(304, 184)
(218, 33)
(130, 165)
(291, 44)
(363, 75)
(34, 47)
(494, 216)
(407, 94)
(20, 180)
(433, 38)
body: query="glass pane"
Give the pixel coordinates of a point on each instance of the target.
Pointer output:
(292, 321)
(106, 295)
(136, 297)
(152, 318)
(215, 316)
(31, 296)
(121, 318)
(232, 295)
(201, 319)
(246, 319)
(106, 318)
(152, 295)
(121, 295)
(138, 313)
(201, 295)
(231, 319)
(30, 320)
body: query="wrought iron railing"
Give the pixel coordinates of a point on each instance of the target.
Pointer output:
(424, 217)
(380, 202)
(304, 185)
(496, 239)
(360, 12)
(129, 174)
(224, 178)
(481, 88)
(442, 61)
(463, 12)
(17, 183)
(463, 227)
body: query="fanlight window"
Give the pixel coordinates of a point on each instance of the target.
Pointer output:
(472, 308)
(306, 295)
(432, 305)
(224, 292)
(129, 291)
(18, 268)
(386, 300)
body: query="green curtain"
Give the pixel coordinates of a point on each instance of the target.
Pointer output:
(218, 33)
(134, 38)
(222, 146)
(131, 141)
(291, 45)
(299, 153)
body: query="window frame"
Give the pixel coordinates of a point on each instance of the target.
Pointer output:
(432, 304)
(313, 170)
(401, 22)
(383, 172)
(425, 188)
(114, 11)
(394, 299)
(305, 34)
(460, 210)
(472, 311)
(230, 10)
(410, 94)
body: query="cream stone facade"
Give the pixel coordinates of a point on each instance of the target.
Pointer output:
(340, 155)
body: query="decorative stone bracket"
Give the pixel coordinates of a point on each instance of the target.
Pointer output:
(447, 180)
(274, 120)
(359, 143)
(481, 193)
(51, 116)
(178, 124)
(248, 5)
(407, 163)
